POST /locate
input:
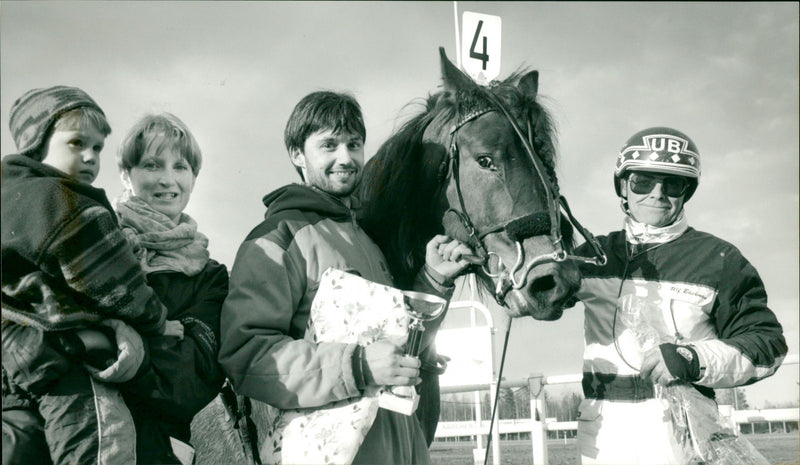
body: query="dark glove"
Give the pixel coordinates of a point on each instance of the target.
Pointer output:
(681, 361)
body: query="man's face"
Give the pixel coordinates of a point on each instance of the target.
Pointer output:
(331, 161)
(650, 201)
(75, 152)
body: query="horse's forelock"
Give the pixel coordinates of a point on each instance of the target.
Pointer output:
(524, 107)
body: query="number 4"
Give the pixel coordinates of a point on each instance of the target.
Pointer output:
(483, 56)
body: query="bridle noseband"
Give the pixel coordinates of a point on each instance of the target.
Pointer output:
(518, 229)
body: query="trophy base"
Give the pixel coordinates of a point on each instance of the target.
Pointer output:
(405, 405)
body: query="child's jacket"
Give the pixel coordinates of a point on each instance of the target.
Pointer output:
(65, 261)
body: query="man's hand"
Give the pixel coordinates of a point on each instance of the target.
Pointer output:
(655, 369)
(448, 257)
(130, 354)
(385, 365)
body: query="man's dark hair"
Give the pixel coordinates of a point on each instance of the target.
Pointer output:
(323, 110)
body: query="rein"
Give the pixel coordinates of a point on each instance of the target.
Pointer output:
(520, 228)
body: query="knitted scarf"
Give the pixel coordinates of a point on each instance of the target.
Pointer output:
(158, 242)
(641, 233)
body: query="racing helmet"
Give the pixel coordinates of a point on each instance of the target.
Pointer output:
(659, 150)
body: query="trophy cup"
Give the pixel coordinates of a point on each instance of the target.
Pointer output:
(420, 307)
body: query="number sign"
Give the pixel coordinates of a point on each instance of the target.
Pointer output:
(480, 46)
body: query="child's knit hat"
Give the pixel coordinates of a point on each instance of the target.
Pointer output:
(33, 113)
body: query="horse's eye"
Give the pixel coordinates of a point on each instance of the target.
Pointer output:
(486, 163)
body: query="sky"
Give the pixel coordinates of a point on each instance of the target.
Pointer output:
(724, 73)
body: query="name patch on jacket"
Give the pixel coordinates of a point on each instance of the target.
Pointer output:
(692, 293)
(685, 308)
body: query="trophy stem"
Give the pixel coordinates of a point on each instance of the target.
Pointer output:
(420, 307)
(414, 339)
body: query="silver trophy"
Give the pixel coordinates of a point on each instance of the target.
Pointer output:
(420, 307)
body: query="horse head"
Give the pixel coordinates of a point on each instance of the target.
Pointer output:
(479, 165)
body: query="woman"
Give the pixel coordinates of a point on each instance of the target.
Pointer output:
(159, 161)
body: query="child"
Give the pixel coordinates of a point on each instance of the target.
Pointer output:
(67, 266)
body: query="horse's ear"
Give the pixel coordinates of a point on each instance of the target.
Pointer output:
(529, 84)
(452, 77)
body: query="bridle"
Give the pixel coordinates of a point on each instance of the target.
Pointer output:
(518, 229)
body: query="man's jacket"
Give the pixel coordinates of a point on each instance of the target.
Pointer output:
(706, 295)
(274, 281)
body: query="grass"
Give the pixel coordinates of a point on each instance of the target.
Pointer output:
(778, 449)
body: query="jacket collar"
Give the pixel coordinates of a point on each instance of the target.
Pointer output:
(641, 233)
(305, 198)
(21, 167)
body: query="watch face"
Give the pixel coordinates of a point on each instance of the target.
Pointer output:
(685, 353)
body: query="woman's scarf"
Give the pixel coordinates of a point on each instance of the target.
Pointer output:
(159, 243)
(642, 233)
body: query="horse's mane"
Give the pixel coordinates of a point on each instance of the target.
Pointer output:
(400, 188)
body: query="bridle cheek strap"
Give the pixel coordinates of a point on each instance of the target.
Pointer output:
(518, 229)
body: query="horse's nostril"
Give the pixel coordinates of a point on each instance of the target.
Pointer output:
(543, 283)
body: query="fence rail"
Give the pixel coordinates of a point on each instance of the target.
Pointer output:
(538, 429)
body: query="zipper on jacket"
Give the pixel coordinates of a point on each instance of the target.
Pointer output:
(353, 218)
(357, 236)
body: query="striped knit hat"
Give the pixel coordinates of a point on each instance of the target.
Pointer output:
(34, 113)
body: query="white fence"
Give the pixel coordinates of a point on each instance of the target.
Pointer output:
(538, 429)
(473, 372)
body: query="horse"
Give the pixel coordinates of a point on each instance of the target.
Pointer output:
(477, 164)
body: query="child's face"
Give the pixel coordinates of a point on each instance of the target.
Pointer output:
(76, 152)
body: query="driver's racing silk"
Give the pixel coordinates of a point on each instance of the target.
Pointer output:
(704, 293)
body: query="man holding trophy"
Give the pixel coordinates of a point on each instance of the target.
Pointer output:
(309, 228)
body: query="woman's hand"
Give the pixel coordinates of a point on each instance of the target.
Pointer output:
(173, 328)
(448, 257)
(130, 354)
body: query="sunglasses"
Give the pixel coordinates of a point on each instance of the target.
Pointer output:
(673, 186)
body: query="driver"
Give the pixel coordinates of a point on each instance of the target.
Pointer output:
(707, 297)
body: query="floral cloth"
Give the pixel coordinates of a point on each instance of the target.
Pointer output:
(347, 308)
